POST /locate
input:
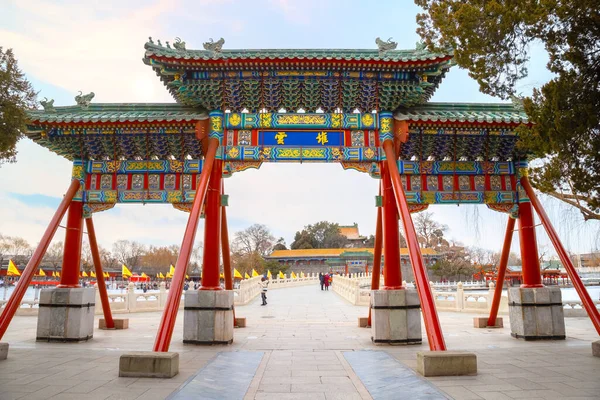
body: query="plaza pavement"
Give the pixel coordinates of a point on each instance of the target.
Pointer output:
(303, 333)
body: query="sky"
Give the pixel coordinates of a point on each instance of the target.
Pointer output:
(68, 46)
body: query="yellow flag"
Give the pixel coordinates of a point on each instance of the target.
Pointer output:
(294, 276)
(161, 276)
(143, 275)
(254, 273)
(246, 276)
(12, 269)
(186, 276)
(169, 276)
(221, 276)
(269, 275)
(57, 274)
(125, 272)
(106, 275)
(236, 274)
(302, 274)
(171, 270)
(84, 274)
(281, 275)
(53, 274)
(42, 273)
(93, 274)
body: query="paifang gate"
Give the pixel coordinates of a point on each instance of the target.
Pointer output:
(235, 109)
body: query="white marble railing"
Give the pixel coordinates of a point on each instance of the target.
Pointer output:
(130, 301)
(574, 308)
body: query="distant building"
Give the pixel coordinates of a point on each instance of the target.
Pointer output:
(353, 236)
(357, 259)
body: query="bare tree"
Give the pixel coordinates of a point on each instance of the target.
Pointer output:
(128, 252)
(54, 255)
(254, 239)
(19, 248)
(430, 232)
(4, 247)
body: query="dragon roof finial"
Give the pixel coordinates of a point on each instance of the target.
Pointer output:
(48, 105)
(84, 100)
(215, 47)
(178, 44)
(385, 46)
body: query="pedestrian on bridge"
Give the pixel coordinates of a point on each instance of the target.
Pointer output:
(327, 281)
(264, 284)
(321, 279)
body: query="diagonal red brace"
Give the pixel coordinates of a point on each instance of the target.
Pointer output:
(167, 322)
(510, 226)
(108, 319)
(432, 322)
(15, 299)
(586, 300)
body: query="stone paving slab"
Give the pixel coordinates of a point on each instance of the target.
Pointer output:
(228, 376)
(385, 378)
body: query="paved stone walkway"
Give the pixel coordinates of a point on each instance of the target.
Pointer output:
(305, 336)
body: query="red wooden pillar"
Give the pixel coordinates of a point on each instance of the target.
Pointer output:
(532, 275)
(376, 254)
(346, 269)
(212, 230)
(69, 276)
(227, 272)
(14, 301)
(366, 268)
(392, 275)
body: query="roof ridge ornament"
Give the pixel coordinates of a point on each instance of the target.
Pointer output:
(178, 44)
(385, 46)
(517, 102)
(215, 47)
(84, 100)
(48, 105)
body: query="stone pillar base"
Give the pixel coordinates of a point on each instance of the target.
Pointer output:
(446, 363)
(240, 322)
(536, 313)
(595, 349)
(363, 322)
(3, 351)
(396, 316)
(120, 323)
(481, 322)
(208, 317)
(66, 315)
(149, 364)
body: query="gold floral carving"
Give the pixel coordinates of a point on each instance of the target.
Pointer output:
(367, 120)
(299, 119)
(234, 119)
(336, 120)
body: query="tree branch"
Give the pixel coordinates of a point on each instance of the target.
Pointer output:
(572, 200)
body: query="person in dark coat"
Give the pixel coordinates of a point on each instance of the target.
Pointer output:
(321, 279)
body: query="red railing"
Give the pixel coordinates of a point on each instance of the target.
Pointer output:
(432, 322)
(15, 299)
(167, 323)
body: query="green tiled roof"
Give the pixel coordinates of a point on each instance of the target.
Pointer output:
(463, 112)
(411, 55)
(120, 112)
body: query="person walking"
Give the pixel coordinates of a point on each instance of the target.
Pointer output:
(321, 279)
(264, 283)
(326, 281)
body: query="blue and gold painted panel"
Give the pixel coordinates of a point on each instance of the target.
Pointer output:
(301, 138)
(300, 121)
(151, 166)
(455, 168)
(301, 154)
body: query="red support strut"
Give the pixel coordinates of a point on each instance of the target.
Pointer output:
(167, 322)
(586, 300)
(69, 276)
(392, 276)
(510, 226)
(108, 319)
(15, 299)
(212, 230)
(432, 322)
